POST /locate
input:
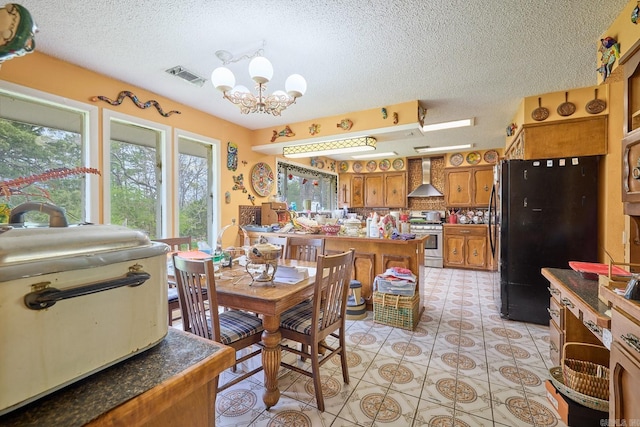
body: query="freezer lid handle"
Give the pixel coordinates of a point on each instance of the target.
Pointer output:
(47, 297)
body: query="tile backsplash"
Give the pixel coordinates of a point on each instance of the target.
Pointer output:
(414, 178)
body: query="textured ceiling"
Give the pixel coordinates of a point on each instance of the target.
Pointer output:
(461, 59)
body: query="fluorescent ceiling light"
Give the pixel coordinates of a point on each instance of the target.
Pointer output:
(449, 125)
(446, 148)
(328, 148)
(372, 155)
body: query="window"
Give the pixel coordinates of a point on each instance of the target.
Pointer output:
(307, 189)
(38, 136)
(194, 183)
(135, 177)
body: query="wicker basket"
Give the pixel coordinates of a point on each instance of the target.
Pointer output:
(396, 310)
(590, 377)
(588, 401)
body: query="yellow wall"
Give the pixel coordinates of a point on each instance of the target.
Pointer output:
(362, 120)
(612, 219)
(578, 96)
(44, 73)
(48, 74)
(624, 31)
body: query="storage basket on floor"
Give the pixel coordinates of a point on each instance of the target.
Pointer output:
(396, 287)
(585, 369)
(396, 310)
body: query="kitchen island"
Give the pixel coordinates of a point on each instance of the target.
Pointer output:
(172, 383)
(372, 257)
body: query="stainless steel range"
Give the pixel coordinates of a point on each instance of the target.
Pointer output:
(433, 243)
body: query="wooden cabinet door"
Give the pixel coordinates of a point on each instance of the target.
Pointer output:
(374, 191)
(624, 365)
(453, 254)
(357, 191)
(458, 188)
(344, 190)
(556, 342)
(475, 251)
(623, 391)
(395, 190)
(483, 182)
(631, 170)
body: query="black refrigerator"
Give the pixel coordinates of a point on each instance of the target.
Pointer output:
(548, 216)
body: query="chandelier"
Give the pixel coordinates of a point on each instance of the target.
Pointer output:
(261, 71)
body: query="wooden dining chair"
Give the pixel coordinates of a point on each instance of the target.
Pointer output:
(282, 241)
(173, 304)
(311, 322)
(304, 249)
(234, 328)
(175, 242)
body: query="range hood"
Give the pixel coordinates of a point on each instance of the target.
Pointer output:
(425, 189)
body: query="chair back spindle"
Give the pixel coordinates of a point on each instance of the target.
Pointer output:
(196, 284)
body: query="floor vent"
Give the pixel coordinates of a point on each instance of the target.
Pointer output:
(187, 75)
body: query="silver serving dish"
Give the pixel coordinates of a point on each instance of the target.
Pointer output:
(265, 255)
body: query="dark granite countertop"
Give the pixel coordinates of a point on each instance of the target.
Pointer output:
(85, 400)
(586, 290)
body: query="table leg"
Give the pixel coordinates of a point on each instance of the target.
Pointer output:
(271, 357)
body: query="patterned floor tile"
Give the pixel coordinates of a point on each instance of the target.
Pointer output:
(439, 387)
(363, 404)
(462, 366)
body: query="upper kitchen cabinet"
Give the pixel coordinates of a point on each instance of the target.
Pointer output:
(385, 190)
(468, 187)
(632, 90)
(357, 191)
(458, 184)
(631, 139)
(395, 195)
(374, 190)
(344, 190)
(586, 136)
(483, 182)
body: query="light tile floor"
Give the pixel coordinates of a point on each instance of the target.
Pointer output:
(462, 366)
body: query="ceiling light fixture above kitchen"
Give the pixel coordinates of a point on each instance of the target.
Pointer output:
(445, 148)
(449, 125)
(375, 155)
(328, 148)
(261, 71)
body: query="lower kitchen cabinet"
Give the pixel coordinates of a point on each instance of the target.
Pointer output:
(624, 366)
(565, 326)
(465, 246)
(579, 311)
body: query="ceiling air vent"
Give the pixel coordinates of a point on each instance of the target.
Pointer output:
(187, 75)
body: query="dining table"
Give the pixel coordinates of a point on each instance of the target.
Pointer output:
(236, 289)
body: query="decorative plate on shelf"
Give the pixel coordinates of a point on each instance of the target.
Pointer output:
(357, 167)
(343, 166)
(384, 165)
(456, 159)
(398, 164)
(473, 157)
(491, 156)
(262, 179)
(371, 165)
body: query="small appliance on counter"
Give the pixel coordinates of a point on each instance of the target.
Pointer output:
(75, 300)
(274, 212)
